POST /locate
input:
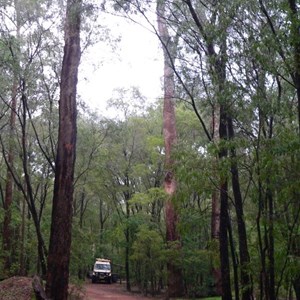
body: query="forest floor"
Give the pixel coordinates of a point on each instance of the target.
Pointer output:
(20, 288)
(16, 288)
(115, 291)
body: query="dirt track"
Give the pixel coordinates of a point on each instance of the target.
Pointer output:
(115, 291)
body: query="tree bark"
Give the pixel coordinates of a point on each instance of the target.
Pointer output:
(296, 285)
(224, 216)
(60, 237)
(246, 285)
(215, 203)
(270, 237)
(7, 232)
(175, 278)
(234, 262)
(127, 197)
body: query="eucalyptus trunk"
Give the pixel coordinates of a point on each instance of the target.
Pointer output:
(61, 226)
(175, 278)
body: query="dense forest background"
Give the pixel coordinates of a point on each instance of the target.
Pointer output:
(232, 73)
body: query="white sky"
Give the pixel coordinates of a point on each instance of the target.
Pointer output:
(137, 61)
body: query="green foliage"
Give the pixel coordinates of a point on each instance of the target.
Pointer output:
(148, 258)
(198, 272)
(200, 255)
(152, 195)
(81, 252)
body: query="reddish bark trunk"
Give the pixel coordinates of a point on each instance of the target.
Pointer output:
(60, 238)
(175, 279)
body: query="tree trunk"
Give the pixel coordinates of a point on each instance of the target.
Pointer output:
(215, 236)
(215, 203)
(218, 77)
(263, 282)
(215, 199)
(234, 262)
(127, 237)
(28, 191)
(219, 66)
(175, 278)
(224, 217)
(270, 237)
(22, 270)
(7, 232)
(246, 285)
(82, 206)
(215, 216)
(296, 285)
(60, 237)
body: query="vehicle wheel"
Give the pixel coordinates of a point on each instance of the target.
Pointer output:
(93, 280)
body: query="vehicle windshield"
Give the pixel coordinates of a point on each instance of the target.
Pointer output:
(99, 266)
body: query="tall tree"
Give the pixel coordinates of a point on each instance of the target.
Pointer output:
(7, 232)
(60, 238)
(175, 281)
(217, 69)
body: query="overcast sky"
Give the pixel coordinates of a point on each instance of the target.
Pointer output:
(136, 62)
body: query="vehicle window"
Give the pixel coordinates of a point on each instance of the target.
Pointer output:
(102, 267)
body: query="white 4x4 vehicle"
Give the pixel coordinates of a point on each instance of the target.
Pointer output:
(102, 270)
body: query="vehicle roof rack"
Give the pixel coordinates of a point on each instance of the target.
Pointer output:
(103, 259)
